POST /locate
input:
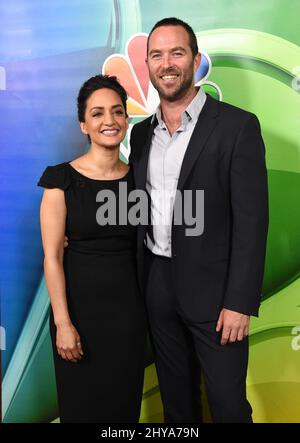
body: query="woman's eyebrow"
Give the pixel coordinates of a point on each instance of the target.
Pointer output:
(102, 107)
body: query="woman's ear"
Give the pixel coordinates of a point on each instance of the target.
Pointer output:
(83, 128)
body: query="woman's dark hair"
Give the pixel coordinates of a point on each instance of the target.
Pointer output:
(92, 85)
(173, 21)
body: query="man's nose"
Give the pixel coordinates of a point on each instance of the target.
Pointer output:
(166, 61)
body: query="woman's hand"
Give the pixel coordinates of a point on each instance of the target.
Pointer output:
(66, 241)
(68, 343)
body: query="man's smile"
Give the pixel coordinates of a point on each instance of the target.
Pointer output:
(169, 77)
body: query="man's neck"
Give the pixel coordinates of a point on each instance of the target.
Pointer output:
(171, 112)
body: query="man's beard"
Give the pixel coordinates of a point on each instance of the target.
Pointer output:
(174, 94)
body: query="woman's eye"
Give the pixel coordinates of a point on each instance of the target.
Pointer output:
(97, 114)
(120, 112)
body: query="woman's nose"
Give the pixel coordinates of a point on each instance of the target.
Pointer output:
(108, 119)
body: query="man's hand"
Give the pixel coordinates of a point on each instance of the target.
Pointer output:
(66, 241)
(235, 326)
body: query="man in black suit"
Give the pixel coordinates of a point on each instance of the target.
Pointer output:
(200, 289)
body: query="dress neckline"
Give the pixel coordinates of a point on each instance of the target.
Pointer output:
(98, 179)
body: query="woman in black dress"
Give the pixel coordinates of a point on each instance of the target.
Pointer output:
(97, 320)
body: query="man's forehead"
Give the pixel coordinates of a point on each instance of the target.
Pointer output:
(168, 36)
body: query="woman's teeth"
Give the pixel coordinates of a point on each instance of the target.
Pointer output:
(110, 132)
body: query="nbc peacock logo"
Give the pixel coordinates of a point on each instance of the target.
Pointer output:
(131, 71)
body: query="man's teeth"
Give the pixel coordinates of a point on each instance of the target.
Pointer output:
(169, 77)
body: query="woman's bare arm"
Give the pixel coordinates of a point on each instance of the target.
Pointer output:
(53, 220)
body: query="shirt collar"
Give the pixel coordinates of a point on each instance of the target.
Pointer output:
(191, 112)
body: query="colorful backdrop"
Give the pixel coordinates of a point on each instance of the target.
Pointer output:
(251, 58)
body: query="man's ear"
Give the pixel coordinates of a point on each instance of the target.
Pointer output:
(83, 128)
(197, 61)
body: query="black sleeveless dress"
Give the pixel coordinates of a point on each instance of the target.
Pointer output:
(104, 303)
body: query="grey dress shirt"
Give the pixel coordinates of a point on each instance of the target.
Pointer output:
(165, 160)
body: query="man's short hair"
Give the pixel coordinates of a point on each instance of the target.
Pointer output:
(173, 21)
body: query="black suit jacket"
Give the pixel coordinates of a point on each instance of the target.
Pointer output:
(224, 266)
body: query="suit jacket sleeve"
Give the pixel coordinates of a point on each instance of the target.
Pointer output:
(249, 203)
(132, 143)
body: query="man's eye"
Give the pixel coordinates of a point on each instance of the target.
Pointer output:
(155, 56)
(177, 54)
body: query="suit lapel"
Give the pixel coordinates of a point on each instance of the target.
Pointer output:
(204, 126)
